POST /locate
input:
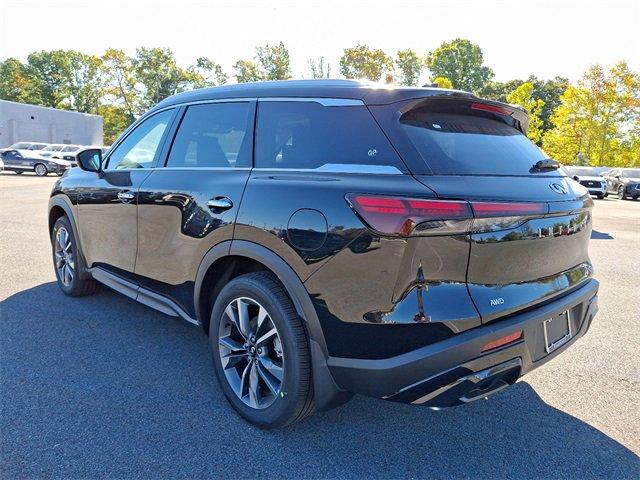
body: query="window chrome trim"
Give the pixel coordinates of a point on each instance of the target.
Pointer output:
(325, 102)
(351, 169)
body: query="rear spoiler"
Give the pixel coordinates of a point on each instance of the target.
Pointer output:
(415, 96)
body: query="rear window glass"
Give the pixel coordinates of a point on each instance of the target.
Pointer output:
(308, 135)
(453, 143)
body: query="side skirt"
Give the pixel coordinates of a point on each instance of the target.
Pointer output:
(140, 294)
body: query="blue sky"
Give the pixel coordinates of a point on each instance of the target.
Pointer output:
(544, 37)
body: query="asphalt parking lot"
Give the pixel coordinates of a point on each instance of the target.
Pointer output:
(103, 387)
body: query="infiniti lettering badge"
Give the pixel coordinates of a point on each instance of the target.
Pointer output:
(556, 187)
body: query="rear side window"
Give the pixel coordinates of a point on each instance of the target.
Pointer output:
(459, 144)
(213, 135)
(311, 136)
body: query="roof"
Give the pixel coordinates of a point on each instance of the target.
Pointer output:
(370, 93)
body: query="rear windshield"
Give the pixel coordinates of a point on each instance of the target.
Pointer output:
(459, 144)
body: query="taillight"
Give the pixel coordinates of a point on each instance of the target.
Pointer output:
(404, 216)
(414, 216)
(494, 216)
(491, 108)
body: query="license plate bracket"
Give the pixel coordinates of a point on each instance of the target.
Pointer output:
(557, 331)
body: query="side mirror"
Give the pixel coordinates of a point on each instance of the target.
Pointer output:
(90, 160)
(576, 178)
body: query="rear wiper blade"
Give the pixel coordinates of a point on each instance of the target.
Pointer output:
(546, 164)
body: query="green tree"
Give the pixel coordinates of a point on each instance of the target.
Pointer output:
(461, 62)
(247, 71)
(274, 61)
(121, 82)
(87, 83)
(362, 62)
(409, 67)
(50, 72)
(598, 119)
(115, 119)
(159, 75)
(15, 83)
(523, 96)
(319, 68)
(206, 73)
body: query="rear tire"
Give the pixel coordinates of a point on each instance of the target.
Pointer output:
(40, 169)
(67, 262)
(268, 382)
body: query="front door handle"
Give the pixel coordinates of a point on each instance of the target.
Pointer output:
(125, 196)
(220, 203)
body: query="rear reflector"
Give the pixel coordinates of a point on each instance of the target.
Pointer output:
(491, 108)
(500, 342)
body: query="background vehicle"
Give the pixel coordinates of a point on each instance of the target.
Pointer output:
(19, 161)
(50, 150)
(1, 164)
(333, 237)
(28, 146)
(625, 182)
(592, 181)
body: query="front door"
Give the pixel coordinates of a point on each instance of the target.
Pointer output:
(189, 204)
(107, 210)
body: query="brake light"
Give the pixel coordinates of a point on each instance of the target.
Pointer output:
(491, 108)
(501, 342)
(414, 216)
(504, 209)
(399, 216)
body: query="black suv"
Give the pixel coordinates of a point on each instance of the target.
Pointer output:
(337, 237)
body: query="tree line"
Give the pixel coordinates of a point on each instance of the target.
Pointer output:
(593, 122)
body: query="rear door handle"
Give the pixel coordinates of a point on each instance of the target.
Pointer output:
(220, 203)
(125, 196)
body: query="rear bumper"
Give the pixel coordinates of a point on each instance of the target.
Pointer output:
(455, 371)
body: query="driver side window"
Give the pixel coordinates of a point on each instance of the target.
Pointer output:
(139, 148)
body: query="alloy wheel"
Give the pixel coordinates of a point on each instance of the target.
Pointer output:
(41, 170)
(65, 264)
(251, 353)
(621, 193)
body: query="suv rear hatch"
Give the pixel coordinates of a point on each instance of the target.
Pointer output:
(531, 224)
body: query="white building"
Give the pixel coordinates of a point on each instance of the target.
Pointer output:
(20, 122)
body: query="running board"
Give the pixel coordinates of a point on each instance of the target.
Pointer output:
(140, 294)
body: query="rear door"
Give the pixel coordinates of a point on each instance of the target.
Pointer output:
(189, 203)
(532, 224)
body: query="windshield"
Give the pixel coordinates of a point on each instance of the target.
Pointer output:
(459, 144)
(631, 173)
(20, 146)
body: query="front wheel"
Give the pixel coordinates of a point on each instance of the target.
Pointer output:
(40, 170)
(67, 261)
(260, 351)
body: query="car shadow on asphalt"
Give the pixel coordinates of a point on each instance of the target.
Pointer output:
(101, 386)
(595, 235)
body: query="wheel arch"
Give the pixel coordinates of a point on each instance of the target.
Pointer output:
(59, 206)
(326, 393)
